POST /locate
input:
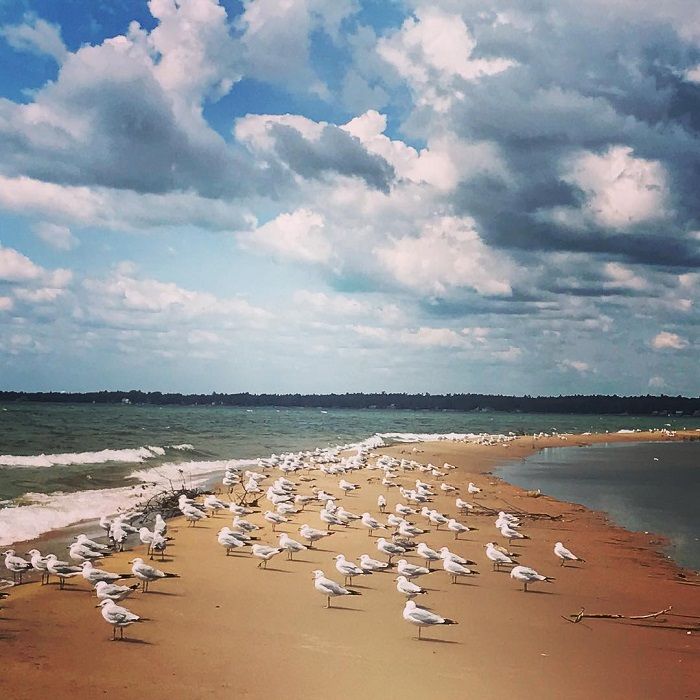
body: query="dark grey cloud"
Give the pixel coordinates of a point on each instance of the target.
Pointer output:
(335, 151)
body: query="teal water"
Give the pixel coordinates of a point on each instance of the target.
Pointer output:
(648, 487)
(84, 484)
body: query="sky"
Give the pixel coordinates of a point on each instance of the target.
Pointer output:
(350, 195)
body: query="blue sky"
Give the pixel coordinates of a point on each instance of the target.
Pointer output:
(337, 195)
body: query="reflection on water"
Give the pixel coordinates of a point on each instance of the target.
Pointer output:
(651, 487)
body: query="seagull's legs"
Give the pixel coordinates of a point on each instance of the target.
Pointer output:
(525, 586)
(114, 632)
(328, 601)
(419, 629)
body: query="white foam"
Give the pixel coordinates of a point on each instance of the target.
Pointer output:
(191, 473)
(137, 454)
(56, 510)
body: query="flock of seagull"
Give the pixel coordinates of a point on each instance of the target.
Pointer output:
(400, 531)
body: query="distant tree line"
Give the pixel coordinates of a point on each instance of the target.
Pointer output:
(578, 403)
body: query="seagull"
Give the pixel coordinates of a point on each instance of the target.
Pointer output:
(117, 616)
(114, 592)
(93, 575)
(457, 527)
(212, 503)
(90, 544)
(239, 510)
(147, 574)
(563, 553)
(229, 539)
(447, 488)
(368, 564)
(446, 554)
(511, 534)
(404, 510)
(455, 569)
(381, 503)
(246, 525)
(264, 553)
(406, 529)
(274, 518)
(312, 534)
(496, 556)
(464, 506)
(39, 564)
(290, 546)
(348, 569)
(411, 570)
(389, 548)
(330, 588)
(527, 575)
(371, 524)
(16, 565)
(347, 486)
(346, 514)
(473, 488)
(62, 569)
(430, 555)
(422, 617)
(437, 519)
(160, 525)
(409, 589)
(81, 553)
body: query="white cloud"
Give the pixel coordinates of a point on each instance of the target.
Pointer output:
(37, 36)
(6, 303)
(339, 306)
(576, 365)
(448, 254)
(57, 236)
(657, 382)
(297, 235)
(621, 190)
(621, 276)
(18, 268)
(432, 52)
(668, 341)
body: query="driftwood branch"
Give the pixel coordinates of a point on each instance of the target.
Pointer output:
(581, 615)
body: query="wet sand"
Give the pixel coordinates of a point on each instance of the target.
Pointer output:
(228, 627)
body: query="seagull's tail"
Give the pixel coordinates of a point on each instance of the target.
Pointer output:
(134, 586)
(548, 579)
(169, 575)
(447, 621)
(351, 592)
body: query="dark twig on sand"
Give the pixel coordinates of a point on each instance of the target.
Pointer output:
(581, 615)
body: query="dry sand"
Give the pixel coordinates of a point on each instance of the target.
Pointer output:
(229, 628)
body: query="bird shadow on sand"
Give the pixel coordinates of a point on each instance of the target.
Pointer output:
(540, 592)
(279, 571)
(333, 607)
(167, 593)
(132, 640)
(433, 640)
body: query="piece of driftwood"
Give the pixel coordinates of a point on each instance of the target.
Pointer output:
(581, 615)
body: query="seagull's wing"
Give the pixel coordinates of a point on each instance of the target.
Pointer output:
(426, 617)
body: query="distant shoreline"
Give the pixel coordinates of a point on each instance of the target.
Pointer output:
(656, 406)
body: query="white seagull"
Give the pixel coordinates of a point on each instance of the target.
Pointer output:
(290, 546)
(264, 553)
(114, 592)
(528, 575)
(313, 535)
(16, 565)
(455, 569)
(348, 569)
(496, 556)
(330, 588)
(146, 574)
(457, 527)
(422, 617)
(117, 616)
(565, 554)
(369, 564)
(389, 548)
(408, 588)
(411, 570)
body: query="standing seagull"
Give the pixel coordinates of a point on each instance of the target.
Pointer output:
(117, 616)
(113, 591)
(290, 546)
(563, 553)
(497, 556)
(264, 553)
(457, 527)
(61, 569)
(146, 573)
(455, 569)
(422, 617)
(528, 575)
(389, 548)
(330, 588)
(348, 569)
(16, 565)
(408, 588)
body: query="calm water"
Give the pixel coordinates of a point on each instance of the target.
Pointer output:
(38, 493)
(652, 487)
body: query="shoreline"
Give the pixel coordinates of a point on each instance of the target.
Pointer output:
(281, 640)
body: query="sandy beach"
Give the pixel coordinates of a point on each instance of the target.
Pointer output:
(228, 627)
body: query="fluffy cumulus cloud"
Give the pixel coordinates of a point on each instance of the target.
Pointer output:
(447, 179)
